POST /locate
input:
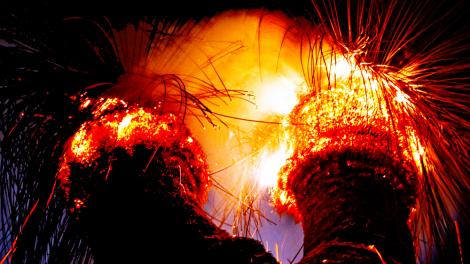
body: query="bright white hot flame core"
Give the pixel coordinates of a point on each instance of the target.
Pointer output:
(278, 96)
(270, 163)
(342, 68)
(125, 123)
(249, 51)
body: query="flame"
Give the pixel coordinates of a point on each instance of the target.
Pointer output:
(85, 104)
(123, 129)
(124, 123)
(323, 98)
(117, 125)
(359, 107)
(270, 164)
(80, 146)
(278, 95)
(342, 68)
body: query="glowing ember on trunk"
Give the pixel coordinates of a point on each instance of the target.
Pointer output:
(355, 106)
(115, 125)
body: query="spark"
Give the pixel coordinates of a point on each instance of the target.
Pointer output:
(78, 203)
(85, 104)
(375, 250)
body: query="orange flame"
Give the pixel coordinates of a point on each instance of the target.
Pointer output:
(353, 105)
(123, 128)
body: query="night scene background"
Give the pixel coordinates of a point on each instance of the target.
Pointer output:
(228, 102)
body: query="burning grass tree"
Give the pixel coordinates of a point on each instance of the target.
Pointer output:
(360, 133)
(90, 178)
(375, 170)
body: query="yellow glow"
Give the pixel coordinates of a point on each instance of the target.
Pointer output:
(401, 97)
(278, 96)
(342, 68)
(134, 125)
(80, 144)
(350, 97)
(270, 163)
(123, 124)
(257, 52)
(85, 104)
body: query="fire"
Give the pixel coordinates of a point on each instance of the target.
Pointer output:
(342, 68)
(278, 95)
(328, 97)
(350, 96)
(124, 123)
(80, 146)
(270, 164)
(85, 104)
(357, 106)
(123, 129)
(115, 125)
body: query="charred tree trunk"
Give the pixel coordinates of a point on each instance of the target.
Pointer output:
(151, 217)
(355, 208)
